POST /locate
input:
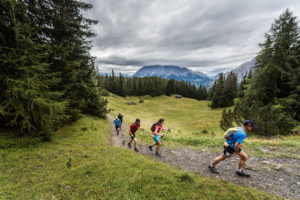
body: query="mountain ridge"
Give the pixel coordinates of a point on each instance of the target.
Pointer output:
(176, 72)
(184, 74)
(240, 71)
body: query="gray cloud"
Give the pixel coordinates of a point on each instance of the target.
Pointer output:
(207, 35)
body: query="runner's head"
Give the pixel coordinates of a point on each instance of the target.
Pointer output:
(249, 125)
(137, 121)
(161, 121)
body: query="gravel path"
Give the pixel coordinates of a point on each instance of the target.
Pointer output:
(280, 176)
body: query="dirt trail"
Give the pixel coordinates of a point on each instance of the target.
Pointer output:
(280, 176)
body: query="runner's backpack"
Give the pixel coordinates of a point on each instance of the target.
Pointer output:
(153, 126)
(120, 116)
(230, 132)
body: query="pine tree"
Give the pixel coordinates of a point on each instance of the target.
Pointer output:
(250, 74)
(121, 88)
(170, 88)
(230, 89)
(226, 119)
(70, 55)
(26, 100)
(218, 97)
(46, 69)
(269, 98)
(141, 88)
(242, 87)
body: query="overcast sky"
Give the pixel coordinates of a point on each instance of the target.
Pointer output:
(209, 36)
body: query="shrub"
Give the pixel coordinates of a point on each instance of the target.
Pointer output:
(104, 93)
(204, 131)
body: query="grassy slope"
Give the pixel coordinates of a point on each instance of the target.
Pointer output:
(190, 120)
(98, 170)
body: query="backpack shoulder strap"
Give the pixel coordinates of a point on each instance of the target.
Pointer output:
(230, 132)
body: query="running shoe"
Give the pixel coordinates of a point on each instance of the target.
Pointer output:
(242, 173)
(157, 154)
(213, 169)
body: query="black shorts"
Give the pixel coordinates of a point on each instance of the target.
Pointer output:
(117, 127)
(228, 151)
(132, 136)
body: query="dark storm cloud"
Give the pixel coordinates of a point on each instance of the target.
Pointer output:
(206, 35)
(115, 60)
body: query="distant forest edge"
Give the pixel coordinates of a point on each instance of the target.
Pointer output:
(222, 94)
(47, 73)
(154, 86)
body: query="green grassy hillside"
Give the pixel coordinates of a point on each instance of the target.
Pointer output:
(195, 124)
(79, 163)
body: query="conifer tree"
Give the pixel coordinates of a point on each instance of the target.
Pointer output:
(141, 88)
(226, 120)
(26, 100)
(46, 69)
(268, 98)
(218, 93)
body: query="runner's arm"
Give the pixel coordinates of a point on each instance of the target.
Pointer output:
(237, 147)
(156, 132)
(239, 143)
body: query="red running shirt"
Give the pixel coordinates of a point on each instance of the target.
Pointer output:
(134, 127)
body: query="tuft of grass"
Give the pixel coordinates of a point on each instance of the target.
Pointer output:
(69, 163)
(84, 128)
(204, 131)
(186, 177)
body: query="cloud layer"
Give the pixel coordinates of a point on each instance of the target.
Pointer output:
(208, 35)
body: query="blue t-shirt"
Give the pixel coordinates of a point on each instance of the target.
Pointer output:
(117, 122)
(237, 137)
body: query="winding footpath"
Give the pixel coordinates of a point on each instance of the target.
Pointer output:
(279, 176)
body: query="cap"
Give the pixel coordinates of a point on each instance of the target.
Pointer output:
(138, 120)
(249, 122)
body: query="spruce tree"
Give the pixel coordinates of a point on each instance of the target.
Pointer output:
(218, 97)
(226, 119)
(230, 89)
(269, 99)
(141, 88)
(27, 103)
(67, 31)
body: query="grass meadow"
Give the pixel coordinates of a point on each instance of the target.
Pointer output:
(195, 124)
